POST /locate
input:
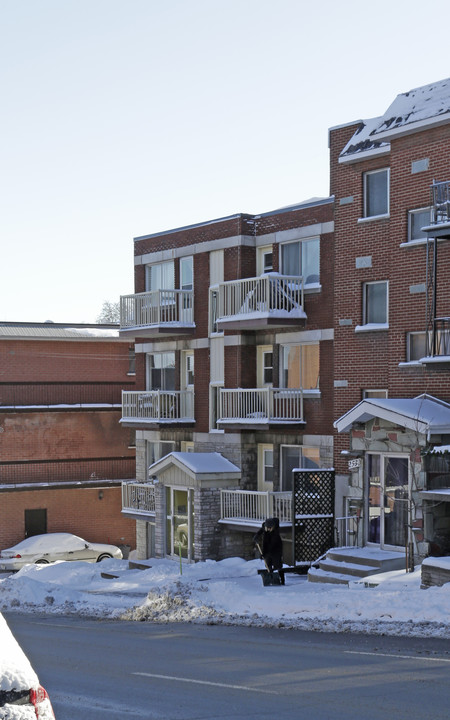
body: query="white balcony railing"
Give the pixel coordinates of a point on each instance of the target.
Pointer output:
(138, 497)
(159, 307)
(244, 506)
(440, 201)
(272, 293)
(158, 405)
(261, 405)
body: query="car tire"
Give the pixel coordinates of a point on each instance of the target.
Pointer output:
(41, 562)
(104, 556)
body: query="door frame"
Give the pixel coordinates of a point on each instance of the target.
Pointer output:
(382, 526)
(171, 545)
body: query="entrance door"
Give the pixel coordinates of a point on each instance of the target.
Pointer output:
(180, 523)
(388, 497)
(35, 522)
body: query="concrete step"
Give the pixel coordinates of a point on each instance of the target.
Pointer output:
(322, 576)
(346, 568)
(372, 557)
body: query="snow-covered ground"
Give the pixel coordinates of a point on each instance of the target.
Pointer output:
(228, 592)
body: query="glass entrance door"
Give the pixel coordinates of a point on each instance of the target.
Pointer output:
(180, 523)
(388, 496)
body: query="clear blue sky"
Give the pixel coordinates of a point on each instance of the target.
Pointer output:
(121, 118)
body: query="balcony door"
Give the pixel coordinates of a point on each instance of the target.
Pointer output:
(388, 499)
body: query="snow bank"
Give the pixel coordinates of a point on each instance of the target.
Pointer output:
(228, 592)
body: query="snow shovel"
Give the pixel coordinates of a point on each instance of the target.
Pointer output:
(268, 578)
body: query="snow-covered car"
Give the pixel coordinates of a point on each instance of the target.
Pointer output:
(22, 697)
(52, 547)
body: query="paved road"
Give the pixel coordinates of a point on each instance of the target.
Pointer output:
(101, 669)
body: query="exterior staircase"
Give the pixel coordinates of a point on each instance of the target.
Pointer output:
(344, 565)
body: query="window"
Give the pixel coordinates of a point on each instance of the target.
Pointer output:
(189, 369)
(131, 361)
(296, 456)
(264, 355)
(299, 366)
(154, 451)
(416, 346)
(160, 276)
(186, 273)
(265, 468)
(376, 193)
(302, 258)
(213, 311)
(417, 219)
(375, 303)
(264, 259)
(161, 371)
(374, 394)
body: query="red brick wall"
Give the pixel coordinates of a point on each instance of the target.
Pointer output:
(371, 360)
(78, 511)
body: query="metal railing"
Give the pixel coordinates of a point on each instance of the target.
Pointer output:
(139, 497)
(263, 294)
(346, 531)
(59, 393)
(254, 506)
(60, 471)
(261, 404)
(158, 405)
(440, 202)
(158, 307)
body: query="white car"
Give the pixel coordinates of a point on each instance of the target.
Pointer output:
(51, 547)
(22, 697)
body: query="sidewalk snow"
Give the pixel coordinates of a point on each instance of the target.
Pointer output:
(228, 592)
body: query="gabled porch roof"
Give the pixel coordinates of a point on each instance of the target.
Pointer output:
(425, 414)
(204, 469)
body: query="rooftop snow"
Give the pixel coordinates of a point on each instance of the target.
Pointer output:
(419, 108)
(424, 413)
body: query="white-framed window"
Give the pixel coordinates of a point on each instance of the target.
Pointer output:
(161, 371)
(375, 303)
(417, 219)
(376, 192)
(160, 276)
(188, 369)
(296, 456)
(264, 355)
(374, 394)
(187, 446)
(264, 259)
(301, 258)
(265, 467)
(214, 311)
(416, 346)
(187, 273)
(300, 366)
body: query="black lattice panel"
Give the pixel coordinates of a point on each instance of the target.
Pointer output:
(313, 505)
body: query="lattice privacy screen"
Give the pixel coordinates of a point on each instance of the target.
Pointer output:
(313, 511)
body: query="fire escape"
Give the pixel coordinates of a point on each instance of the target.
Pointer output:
(438, 328)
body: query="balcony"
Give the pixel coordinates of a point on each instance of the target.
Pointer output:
(438, 342)
(265, 301)
(440, 211)
(157, 407)
(138, 499)
(149, 314)
(258, 408)
(247, 508)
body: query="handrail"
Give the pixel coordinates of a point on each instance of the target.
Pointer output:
(263, 404)
(157, 307)
(263, 294)
(139, 497)
(158, 405)
(255, 506)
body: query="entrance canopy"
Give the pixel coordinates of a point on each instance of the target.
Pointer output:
(206, 470)
(425, 414)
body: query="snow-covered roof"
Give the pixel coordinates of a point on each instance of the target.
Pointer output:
(58, 331)
(425, 414)
(418, 109)
(200, 466)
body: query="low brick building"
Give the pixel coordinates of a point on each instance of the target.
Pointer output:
(63, 452)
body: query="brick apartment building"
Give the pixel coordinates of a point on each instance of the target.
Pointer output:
(312, 336)
(63, 452)
(390, 181)
(233, 328)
